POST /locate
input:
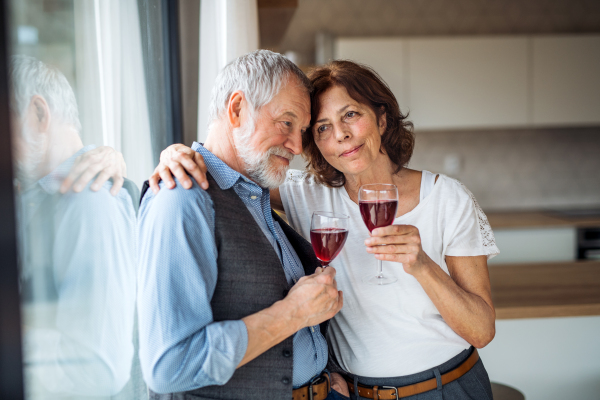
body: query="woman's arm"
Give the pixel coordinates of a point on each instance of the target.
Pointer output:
(463, 298)
(180, 160)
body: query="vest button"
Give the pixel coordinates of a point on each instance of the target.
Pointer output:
(287, 353)
(285, 380)
(285, 292)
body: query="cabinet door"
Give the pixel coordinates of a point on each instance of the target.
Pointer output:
(385, 55)
(468, 82)
(566, 80)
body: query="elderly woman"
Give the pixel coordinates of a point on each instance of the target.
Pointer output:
(416, 338)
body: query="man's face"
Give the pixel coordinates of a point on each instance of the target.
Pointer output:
(269, 141)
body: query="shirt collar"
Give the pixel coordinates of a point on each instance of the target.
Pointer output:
(223, 174)
(51, 182)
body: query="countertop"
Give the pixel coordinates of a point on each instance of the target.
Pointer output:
(542, 219)
(565, 289)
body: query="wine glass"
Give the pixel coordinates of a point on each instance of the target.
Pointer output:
(378, 204)
(328, 233)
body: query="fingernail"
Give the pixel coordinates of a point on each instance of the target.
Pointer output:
(204, 185)
(77, 188)
(96, 187)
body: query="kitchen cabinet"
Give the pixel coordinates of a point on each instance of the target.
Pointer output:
(533, 245)
(387, 56)
(487, 82)
(566, 83)
(468, 82)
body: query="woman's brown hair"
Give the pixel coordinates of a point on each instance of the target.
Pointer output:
(365, 86)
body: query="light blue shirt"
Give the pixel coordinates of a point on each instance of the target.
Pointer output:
(181, 347)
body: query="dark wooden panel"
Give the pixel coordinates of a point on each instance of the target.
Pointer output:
(546, 290)
(274, 17)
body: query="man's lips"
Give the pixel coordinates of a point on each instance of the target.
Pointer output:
(283, 159)
(351, 151)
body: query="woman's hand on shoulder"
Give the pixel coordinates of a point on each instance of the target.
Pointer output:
(179, 160)
(399, 243)
(103, 163)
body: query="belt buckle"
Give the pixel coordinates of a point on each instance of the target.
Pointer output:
(310, 386)
(392, 387)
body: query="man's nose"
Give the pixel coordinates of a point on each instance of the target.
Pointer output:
(294, 142)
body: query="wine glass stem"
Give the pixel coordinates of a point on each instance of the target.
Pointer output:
(379, 268)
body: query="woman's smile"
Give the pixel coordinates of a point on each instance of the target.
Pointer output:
(352, 151)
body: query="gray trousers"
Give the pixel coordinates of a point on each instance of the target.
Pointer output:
(474, 385)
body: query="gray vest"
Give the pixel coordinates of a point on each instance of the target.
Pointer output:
(250, 279)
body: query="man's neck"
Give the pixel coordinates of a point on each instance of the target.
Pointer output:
(62, 146)
(220, 142)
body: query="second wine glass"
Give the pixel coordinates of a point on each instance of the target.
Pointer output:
(328, 233)
(378, 204)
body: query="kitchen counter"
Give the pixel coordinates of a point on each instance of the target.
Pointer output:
(543, 219)
(543, 290)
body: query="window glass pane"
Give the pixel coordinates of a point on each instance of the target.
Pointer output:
(80, 114)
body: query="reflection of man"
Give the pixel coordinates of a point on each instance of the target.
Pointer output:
(77, 249)
(216, 318)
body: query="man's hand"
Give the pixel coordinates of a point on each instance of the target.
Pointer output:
(315, 298)
(178, 159)
(402, 244)
(103, 161)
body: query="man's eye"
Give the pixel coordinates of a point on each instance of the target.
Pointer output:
(287, 123)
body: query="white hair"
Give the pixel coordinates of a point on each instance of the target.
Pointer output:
(259, 75)
(29, 77)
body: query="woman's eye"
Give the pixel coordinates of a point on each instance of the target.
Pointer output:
(350, 114)
(322, 128)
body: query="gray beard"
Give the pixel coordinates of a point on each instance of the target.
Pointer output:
(259, 167)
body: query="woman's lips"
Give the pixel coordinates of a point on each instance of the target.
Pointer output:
(351, 151)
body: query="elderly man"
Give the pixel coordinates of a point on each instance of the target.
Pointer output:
(230, 298)
(77, 250)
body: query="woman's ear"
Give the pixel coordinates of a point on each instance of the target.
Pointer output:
(382, 122)
(234, 108)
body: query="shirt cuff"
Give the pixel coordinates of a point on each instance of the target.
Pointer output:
(226, 351)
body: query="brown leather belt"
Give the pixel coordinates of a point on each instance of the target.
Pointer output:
(392, 393)
(316, 390)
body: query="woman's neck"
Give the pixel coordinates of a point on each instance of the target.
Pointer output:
(381, 171)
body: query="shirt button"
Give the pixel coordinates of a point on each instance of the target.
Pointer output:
(287, 353)
(312, 328)
(253, 197)
(285, 380)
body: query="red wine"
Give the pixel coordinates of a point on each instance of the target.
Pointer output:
(328, 243)
(378, 213)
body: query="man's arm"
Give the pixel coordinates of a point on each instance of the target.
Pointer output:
(181, 347)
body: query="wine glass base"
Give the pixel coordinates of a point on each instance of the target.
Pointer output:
(380, 280)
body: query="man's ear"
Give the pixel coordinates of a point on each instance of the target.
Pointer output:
(234, 108)
(38, 114)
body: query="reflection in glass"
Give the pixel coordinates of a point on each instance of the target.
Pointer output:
(77, 250)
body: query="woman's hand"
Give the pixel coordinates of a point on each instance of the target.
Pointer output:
(103, 161)
(339, 384)
(179, 160)
(402, 244)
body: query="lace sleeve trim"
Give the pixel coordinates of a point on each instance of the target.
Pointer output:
(487, 235)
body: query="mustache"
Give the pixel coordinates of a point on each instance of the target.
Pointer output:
(281, 152)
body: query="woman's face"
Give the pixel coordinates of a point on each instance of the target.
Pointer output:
(347, 132)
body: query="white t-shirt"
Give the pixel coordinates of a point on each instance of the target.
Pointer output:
(393, 330)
